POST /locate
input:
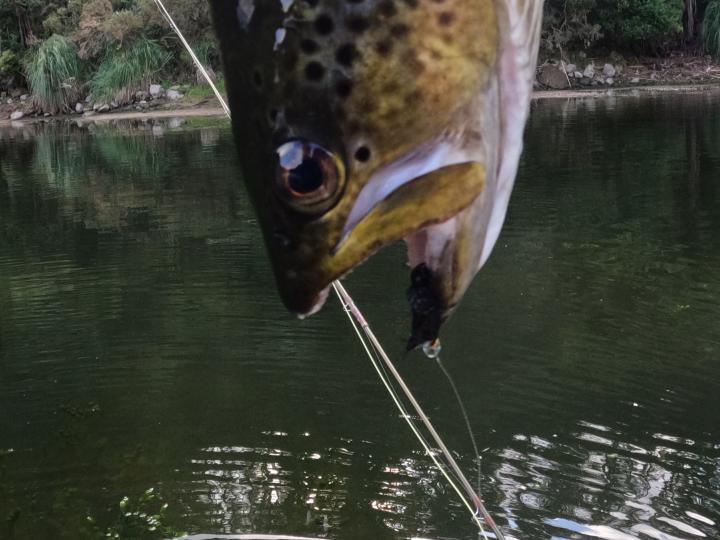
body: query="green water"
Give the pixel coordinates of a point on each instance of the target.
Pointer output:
(142, 344)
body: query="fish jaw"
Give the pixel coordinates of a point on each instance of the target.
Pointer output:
(304, 270)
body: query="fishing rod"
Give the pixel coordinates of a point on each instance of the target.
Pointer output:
(381, 362)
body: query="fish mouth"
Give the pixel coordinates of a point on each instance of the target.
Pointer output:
(424, 213)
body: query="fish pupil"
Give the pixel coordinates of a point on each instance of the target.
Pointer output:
(306, 177)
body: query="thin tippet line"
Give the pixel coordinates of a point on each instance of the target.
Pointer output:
(353, 312)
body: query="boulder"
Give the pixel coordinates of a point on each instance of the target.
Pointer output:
(79, 108)
(571, 68)
(24, 97)
(156, 90)
(17, 115)
(635, 80)
(174, 95)
(609, 81)
(585, 81)
(578, 75)
(141, 95)
(103, 108)
(609, 70)
(553, 76)
(88, 99)
(87, 114)
(589, 72)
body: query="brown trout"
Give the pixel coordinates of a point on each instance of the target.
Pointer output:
(363, 122)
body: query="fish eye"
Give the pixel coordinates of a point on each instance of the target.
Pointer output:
(309, 177)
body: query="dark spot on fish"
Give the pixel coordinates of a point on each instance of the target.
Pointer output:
(357, 23)
(324, 25)
(309, 46)
(387, 8)
(344, 87)
(314, 71)
(412, 4)
(363, 154)
(446, 18)
(384, 47)
(346, 54)
(399, 30)
(312, 3)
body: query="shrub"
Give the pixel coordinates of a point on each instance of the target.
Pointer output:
(124, 70)
(644, 25)
(54, 72)
(9, 66)
(711, 28)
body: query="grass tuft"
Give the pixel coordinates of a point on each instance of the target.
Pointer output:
(711, 28)
(54, 74)
(123, 71)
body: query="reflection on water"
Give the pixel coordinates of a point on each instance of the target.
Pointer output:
(142, 344)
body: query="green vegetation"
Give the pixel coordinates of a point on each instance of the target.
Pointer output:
(123, 71)
(63, 49)
(711, 28)
(54, 73)
(634, 26)
(120, 45)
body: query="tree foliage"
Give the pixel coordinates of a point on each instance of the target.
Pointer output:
(711, 28)
(641, 26)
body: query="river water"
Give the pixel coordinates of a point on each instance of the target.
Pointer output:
(142, 345)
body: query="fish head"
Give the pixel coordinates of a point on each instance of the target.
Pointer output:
(363, 122)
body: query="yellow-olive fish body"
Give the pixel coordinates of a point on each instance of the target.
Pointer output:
(362, 122)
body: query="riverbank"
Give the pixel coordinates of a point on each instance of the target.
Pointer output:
(209, 108)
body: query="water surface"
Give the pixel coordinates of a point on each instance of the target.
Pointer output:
(142, 344)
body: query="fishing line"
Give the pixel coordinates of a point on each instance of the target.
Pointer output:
(381, 361)
(192, 54)
(469, 497)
